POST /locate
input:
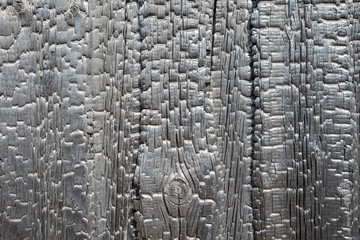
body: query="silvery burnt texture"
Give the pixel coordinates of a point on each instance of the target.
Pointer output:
(180, 119)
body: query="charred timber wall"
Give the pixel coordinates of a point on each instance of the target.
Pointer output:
(180, 119)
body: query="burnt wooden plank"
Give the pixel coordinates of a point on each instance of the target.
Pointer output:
(194, 164)
(66, 173)
(223, 119)
(306, 168)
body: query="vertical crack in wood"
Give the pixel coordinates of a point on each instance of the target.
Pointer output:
(135, 186)
(252, 52)
(213, 33)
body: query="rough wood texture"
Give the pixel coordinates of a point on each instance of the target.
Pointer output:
(180, 119)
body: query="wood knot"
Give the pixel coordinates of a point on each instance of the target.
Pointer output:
(74, 9)
(177, 191)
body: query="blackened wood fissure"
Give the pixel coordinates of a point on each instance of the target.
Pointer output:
(254, 107)
(180, 119)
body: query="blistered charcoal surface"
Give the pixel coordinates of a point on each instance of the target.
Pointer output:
(180, 119)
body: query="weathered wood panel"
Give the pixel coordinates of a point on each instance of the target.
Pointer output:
(223, 119)
(68, 110)
(306, 168)
(194, 162)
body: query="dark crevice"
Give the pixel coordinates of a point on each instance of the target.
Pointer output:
(213, 34)
(253, 97)
(135, 187)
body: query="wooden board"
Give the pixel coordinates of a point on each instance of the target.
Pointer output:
(180, 119)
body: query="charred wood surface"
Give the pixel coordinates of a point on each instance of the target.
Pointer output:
(180, 119)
